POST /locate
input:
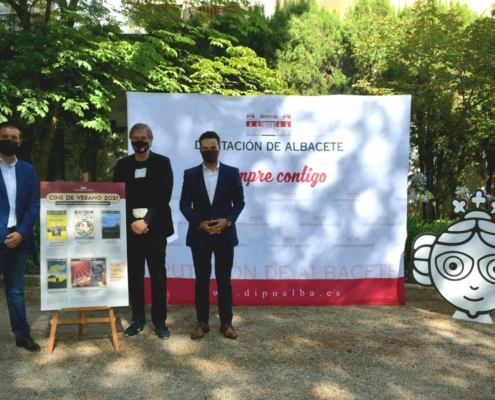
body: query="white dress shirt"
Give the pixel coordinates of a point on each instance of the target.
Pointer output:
(8, 173)
(211, 179)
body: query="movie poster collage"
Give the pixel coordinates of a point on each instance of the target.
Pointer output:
(84, 272)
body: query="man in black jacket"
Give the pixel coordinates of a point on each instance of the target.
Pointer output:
(149, 181)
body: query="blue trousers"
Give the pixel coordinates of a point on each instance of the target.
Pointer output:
(12, 267)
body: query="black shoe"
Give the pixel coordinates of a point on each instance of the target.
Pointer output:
(28, 343)
(162, 332)
(133, 330)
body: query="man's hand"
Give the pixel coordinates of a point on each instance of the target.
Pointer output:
(139, 227)
(13, 240)
(214, 227)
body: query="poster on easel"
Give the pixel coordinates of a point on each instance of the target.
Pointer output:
(84, 225)
(56, 225)
(83, 258)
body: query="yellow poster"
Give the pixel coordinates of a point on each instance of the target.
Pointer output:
(56, 225)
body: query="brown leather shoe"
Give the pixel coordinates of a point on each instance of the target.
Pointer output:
(228, 331)
(200, 330)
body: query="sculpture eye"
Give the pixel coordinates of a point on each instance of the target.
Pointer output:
(486, 266)
(454, 265)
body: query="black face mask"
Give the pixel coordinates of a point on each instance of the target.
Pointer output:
(9, 147)
(140, 146)
(210, 156)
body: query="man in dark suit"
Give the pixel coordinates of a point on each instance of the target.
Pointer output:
(212, 198)
(149, 181)
(19, 210)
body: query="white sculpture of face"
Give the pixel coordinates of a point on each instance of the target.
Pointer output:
(464, 273)
(460, 261)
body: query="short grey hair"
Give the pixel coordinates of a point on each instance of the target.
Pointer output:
(142, 127)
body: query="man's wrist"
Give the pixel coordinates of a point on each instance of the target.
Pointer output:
(229, 222)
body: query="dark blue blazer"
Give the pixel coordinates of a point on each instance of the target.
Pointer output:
(228, 202)
(27, 205)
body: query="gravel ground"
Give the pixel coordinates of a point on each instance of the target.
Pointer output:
(416, 351)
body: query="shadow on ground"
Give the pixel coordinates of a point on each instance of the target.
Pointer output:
(413, 351)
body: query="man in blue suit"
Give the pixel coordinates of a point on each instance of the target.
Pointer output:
(212, 198)
(19, 210)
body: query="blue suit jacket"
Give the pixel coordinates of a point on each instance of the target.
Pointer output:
(228, 202)
(27, 205)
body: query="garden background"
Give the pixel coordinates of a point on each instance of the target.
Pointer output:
(66, 66)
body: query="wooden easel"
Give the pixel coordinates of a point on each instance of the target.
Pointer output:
(82, 320)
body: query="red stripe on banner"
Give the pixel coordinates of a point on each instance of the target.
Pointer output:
(287, 292)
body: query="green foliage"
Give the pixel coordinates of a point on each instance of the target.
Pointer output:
(279, 26)
(57, 71)
(416, 226)
(242, 27)
(309, 58)
(33, 261)
(53, 75)
(240, 72)
(64, 68)
(364, 10)
(417, 192)
(448, 67)
(314, 49)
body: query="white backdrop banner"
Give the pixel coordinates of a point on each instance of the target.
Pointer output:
(325, 185)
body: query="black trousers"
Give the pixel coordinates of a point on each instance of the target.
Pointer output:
(224, 259)
(151, 248)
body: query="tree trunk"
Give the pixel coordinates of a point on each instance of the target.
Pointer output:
(94, 155)
(43, 137)
(61, 150)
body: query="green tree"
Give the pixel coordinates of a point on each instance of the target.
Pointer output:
(279, 23)
(207, 59)
(448, 67)
(309, 58)
(359, 22)
(49, 69)
(314, 49)
(67, 65)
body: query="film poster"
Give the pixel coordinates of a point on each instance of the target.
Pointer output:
(56, 225)
(84, 224)
(83, 259)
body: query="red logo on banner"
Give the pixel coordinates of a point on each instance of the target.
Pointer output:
(268, 125)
